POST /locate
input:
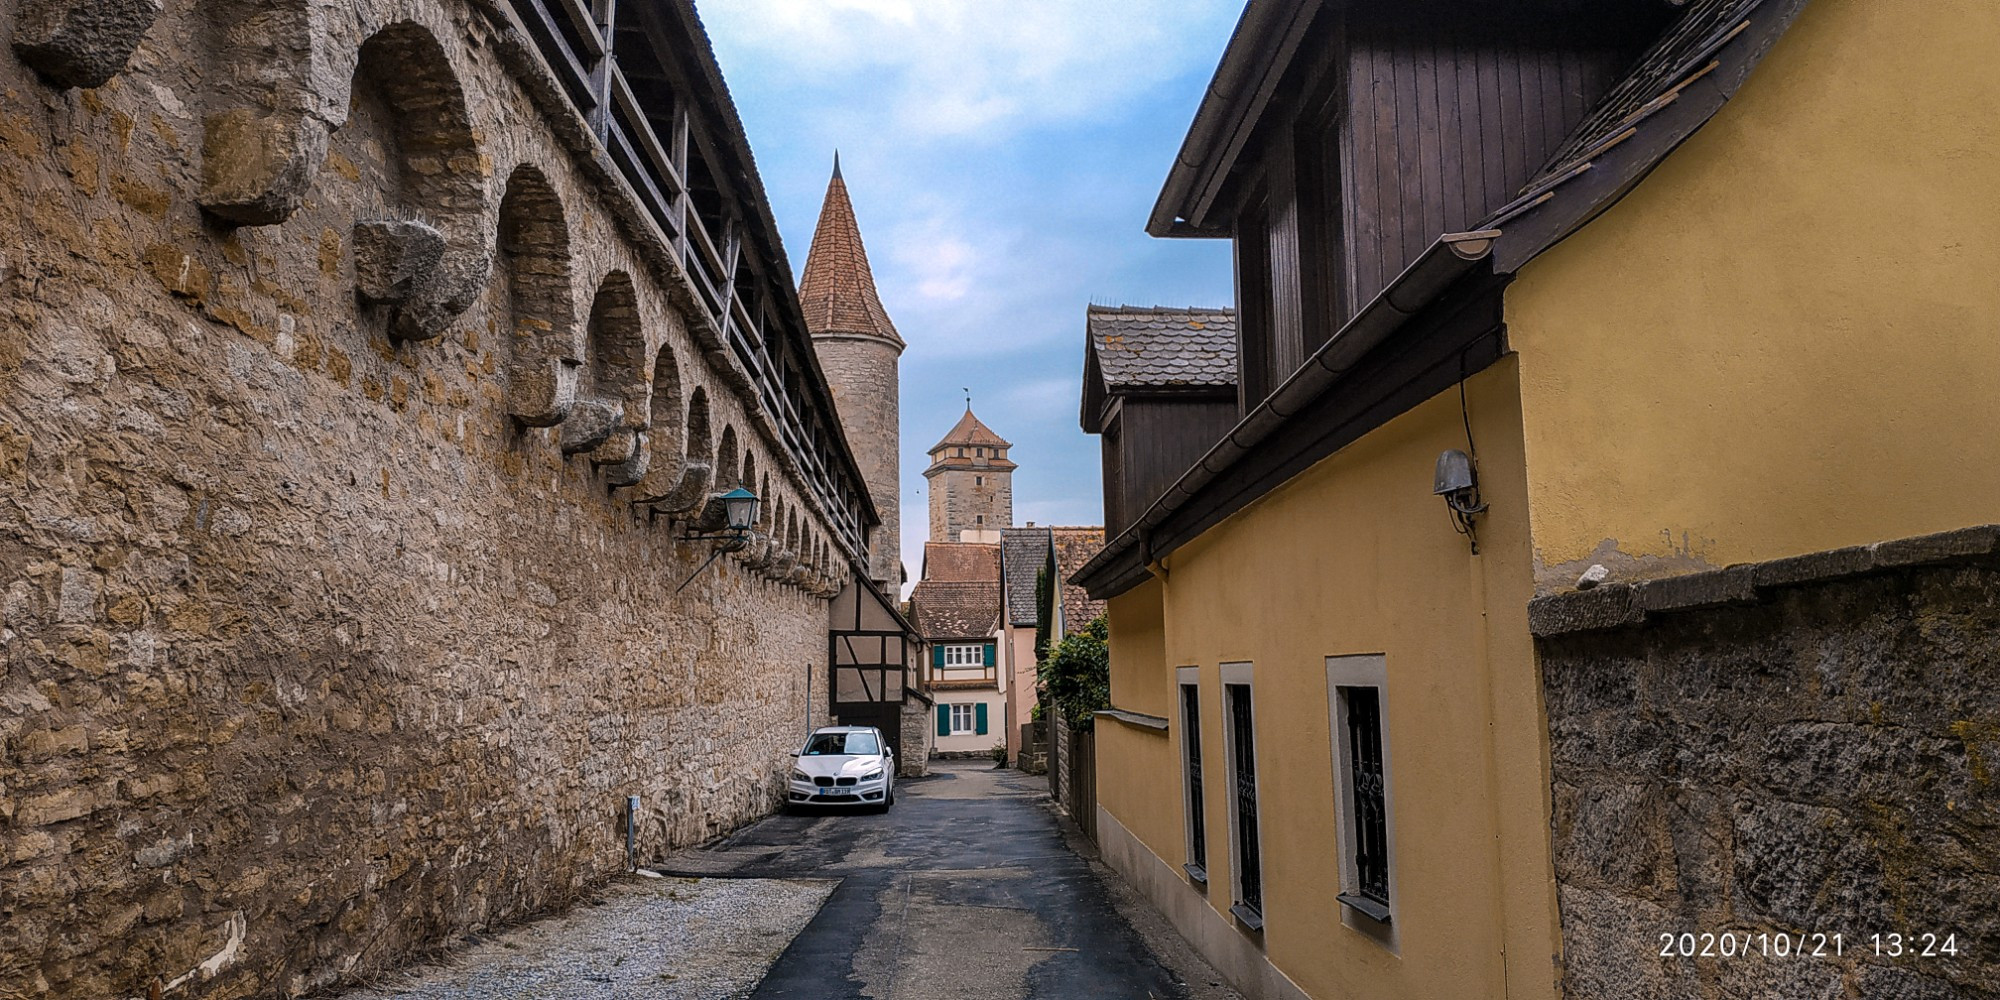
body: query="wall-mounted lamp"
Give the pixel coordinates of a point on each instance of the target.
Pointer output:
(1458, 483)
(738, 510)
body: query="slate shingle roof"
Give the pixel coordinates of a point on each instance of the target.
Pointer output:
(1074, 547)
(1159, 348)
(961, 562)
(1023, 554)
(945, 609)
(1681, 55)
(838, 290)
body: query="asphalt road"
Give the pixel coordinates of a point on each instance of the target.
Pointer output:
(968, 889)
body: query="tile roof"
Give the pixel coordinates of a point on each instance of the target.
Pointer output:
(1074, 547)
(1024, 552)
(969, 430)
(1158, 348)
(838, 290)
(961, 562)
(956, 610)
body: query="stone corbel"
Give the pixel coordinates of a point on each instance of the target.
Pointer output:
(663, 470)
(256, 167)
(624, 458)
(781, 567)
(448, 291)
(692, 491)
(393, 259)
(81, 43)
(591, 422)
(540, 393)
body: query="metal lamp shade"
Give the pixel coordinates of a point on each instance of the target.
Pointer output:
(739, 508)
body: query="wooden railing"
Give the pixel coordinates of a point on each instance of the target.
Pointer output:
(650, 148)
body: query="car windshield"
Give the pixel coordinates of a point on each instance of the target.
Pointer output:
(842, 743)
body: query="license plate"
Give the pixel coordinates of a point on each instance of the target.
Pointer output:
(827, 793)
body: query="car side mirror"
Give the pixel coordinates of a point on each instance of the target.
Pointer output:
(795, 753)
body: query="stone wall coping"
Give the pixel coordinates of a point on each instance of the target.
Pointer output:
(1139, 719)
(1621, 605)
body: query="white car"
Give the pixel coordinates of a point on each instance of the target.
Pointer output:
(844, 765)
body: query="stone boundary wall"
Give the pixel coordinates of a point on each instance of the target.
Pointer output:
(347, 440)
(1804, 747)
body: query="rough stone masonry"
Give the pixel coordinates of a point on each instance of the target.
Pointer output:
(1782, 780)
(346, 440)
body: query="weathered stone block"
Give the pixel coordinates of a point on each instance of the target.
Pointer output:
(256, 168)
(1966, 543)
(392, 258)
(81, 43)
(1586, 610)
(591, 423)
(542, 395)
(1695, 590)
(1609, 836)
(1814, 567)
(631, 469)
(55, 807)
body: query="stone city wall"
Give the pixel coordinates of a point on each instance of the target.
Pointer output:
(1804, 747)
(345, 446)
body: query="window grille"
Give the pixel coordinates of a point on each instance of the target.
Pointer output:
(1371, 812)
(1243, 755)
(1191, 750)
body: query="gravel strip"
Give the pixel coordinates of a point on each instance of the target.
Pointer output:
(656, 939)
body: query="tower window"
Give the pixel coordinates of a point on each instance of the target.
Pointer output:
(979, 519)
(978, 480)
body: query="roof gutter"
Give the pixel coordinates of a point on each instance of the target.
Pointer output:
(1257, 55)
(1452, 257)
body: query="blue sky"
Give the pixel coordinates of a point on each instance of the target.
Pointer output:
(1002, 158)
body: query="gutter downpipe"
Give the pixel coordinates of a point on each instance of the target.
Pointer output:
(1440, 266)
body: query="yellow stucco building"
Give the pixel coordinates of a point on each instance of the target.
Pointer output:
(1717, 283)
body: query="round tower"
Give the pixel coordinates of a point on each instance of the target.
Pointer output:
(972, 483)
(859, 350)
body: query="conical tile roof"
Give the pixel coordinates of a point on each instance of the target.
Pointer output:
(838, 291)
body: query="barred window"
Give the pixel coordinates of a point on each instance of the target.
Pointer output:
(1239, 734)
(1357, 694)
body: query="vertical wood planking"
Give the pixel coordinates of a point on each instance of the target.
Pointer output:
(1449, 125)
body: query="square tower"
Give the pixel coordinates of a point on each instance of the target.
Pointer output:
(972, 482)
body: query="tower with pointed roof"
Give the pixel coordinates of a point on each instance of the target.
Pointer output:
(858, 348)
(972, 482)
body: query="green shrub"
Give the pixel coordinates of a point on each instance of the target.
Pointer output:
(1077, 673)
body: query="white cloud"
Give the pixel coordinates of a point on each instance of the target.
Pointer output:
(972, 68)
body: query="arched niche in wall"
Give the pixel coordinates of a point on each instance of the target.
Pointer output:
(697, 471)
(425, 257)
(665, 439)
(268, 107)
(612, 396)
(544, 343)
(726, 476)
(758, 549)
(787, 535)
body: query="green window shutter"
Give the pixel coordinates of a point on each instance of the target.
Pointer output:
(992, 654)
(979, 716)
(937, 655)
(944, 720)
